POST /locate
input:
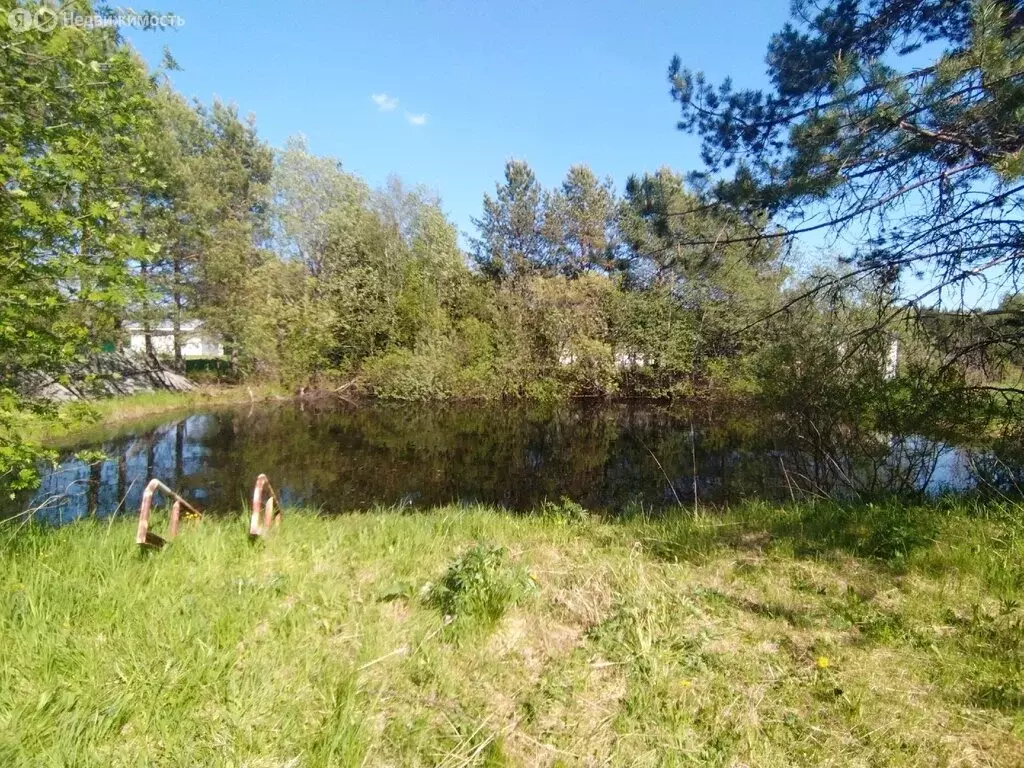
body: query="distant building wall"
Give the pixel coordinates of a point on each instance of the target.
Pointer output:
(194, 343)
(891, 363)
(892, 359)
(622, 359)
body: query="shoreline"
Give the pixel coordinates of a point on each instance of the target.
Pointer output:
(77, 419)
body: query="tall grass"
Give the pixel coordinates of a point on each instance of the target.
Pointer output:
(800, 635)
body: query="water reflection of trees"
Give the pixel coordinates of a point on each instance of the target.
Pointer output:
(606, 457)
(77, 487)
(999, 469)
(853, 461)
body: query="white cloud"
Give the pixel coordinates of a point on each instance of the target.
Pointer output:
(384, 102)
(416, 119)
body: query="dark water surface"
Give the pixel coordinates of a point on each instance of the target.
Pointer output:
(610, 458)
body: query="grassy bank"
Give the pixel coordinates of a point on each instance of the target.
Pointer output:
(770, 637)
(75, 420)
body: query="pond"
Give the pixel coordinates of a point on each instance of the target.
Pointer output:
(611, 458)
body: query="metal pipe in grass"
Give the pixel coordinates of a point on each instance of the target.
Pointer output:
(270, 518)
(146, 538)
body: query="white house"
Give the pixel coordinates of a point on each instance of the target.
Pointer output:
(194, 343)
(890, 365)
(892, 359)
(622, 359)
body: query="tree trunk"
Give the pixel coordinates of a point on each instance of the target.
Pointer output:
(229, 343)
(179, 453)
(179, 363)
(122, 472)
(146, 330)
(150, 454)
(95, 481)
(118, 334)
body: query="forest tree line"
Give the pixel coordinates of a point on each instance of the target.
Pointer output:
(310, 276)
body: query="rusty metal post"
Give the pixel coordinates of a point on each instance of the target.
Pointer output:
(257, 507)
(143, 536)
(268, 514)
(267, 509)
(175, 517)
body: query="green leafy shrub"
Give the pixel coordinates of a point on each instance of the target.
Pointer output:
(476, 382)
(480, 586)
(592, 368)
(566, 511)
(401, 374)
(545, 391)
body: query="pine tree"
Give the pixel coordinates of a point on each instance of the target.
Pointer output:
(579, 223)
(511, 242)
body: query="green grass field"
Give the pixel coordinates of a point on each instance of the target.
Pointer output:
(811, 635)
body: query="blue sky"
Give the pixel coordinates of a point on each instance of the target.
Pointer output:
(555, 83)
